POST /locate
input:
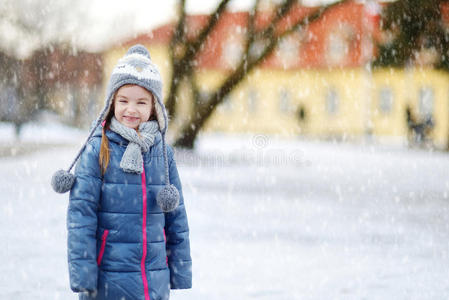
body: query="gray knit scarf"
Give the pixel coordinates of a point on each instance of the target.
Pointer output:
(132, 161)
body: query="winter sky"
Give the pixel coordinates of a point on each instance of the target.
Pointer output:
(146, 15)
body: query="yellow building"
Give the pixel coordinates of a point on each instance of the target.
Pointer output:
(328, 95)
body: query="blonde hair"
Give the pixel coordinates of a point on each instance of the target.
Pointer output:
(104, 156)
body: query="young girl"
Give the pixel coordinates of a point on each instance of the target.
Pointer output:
(128, 236)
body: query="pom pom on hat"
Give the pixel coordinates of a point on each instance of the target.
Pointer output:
(140, 50)
(168, 198)
(62, 181)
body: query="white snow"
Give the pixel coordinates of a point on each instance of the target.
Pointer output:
(269, 219)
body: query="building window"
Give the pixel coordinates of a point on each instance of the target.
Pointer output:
(257, 48)
(233, 47)
(252, 100)
(232, 53)
(338, 44)
(426, 101)
(288, 50)
(337, 49)
(385, 100)
(332, 101)
(284, 100)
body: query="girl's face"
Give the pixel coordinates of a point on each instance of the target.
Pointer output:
(132, 105)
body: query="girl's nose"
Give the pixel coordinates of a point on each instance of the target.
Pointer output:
(131, 108)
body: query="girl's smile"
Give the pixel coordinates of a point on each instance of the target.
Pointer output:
(130, 119)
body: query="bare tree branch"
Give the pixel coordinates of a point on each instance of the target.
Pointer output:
(194, 47)
(179, 33)
(195, 92)
(183, 66)
(176, 50)
(281, 11)
(251, 29)
(204, 111)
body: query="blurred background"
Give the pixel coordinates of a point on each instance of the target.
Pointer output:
(311, 138)
(351, 70)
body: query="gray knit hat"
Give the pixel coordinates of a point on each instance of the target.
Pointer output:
(137, 68)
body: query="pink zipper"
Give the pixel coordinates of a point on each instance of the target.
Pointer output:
(144, 235)
(165, 240)
(103, 245)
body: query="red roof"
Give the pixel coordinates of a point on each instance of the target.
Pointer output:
(333, 40)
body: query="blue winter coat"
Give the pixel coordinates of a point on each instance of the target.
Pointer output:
(107, 228)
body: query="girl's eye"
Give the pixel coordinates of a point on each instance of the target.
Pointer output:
(122, 101)
(141, 103)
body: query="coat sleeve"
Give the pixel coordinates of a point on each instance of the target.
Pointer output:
(177, 232)
(82, 222)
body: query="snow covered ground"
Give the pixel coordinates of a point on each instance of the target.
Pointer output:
(269, 219)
